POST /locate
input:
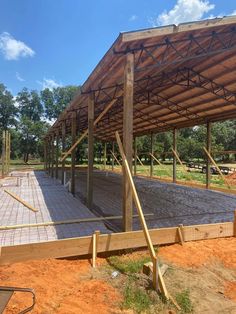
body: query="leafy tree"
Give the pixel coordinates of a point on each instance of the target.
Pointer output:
(57, 99)
(8, 110)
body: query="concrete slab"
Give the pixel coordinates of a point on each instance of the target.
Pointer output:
(53, 202)
(171, 204)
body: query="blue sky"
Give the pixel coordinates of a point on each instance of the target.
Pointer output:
(59, 42)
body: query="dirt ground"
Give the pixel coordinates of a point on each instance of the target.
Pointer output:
(207, 268)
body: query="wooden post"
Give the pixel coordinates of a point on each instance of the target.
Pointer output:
(90, 150)
(63, 143)
(3, 152)
(128, 139)
(208, 163)
(112, 158)
(151, 159)
(45, 155)
(57, 154)
(105, 155)
(73, 153)
(49, 156)
(174, 157)
(52, 155)
(235, 223)
(135, 156)
(95, 247)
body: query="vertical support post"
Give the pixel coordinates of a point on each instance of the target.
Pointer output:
(105, 156)
(73, 153)
(174, 157)
(49, 156)
(52, 155)
(208, 163)
(234, 223)
(95, 247)
(128, 139)
(57, 154)
(63, 144)
(90, 150)
(151, 159)
(112, 157)
(135, 156)
(3, 152)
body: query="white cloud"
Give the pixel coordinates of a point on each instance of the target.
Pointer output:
(19, 78)
(49, 83)
(183, 11)
(133, 18)
(233, 13)
(13, 49)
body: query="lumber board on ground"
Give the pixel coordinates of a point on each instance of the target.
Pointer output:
(111, 242)
(16, 197)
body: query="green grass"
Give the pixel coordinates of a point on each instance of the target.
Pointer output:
(18, 164)
(128, 266)
(183, 299)
(136, 298)
(165, 172)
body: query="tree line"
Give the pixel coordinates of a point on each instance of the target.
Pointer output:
(28, 115)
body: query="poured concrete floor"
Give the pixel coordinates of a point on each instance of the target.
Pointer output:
(169, 203)
(53, 202)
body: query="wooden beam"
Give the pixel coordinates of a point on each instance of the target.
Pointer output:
(174, 157)
(151, 153)
(90, 150)
(52, 155)
(57, 154)
(73, 139)
(95, 247)
(116, 158)
(111, 242)
(3, 152)
(105, 156)
(112, 158)
(101, 115)
(159, 163)
(21, 201)
(208, 163)
(135, 156)
(128, 139)
(63, 143)
(65, 222)
(157, 277)
(218, 169)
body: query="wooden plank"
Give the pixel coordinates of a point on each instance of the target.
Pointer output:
(101, 115)
(52, 155)
(151, 153)
(73, 139)
(65, 222)
(116, 158)
(174, 157)
(21, 201)
(128, 139)
(218, 169)
(135, 156)
(113, 153)
(157, 277)
(159, 163)
(105, 156)
(57, 154)
(111, 242)
(95, 247)
(208, 163)
(90, 150)
(63, 143)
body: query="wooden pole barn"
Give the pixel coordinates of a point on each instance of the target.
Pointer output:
(152, 81)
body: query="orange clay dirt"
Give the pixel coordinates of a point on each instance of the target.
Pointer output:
(70, 286)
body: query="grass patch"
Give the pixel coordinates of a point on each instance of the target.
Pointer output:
(183, 299)
(136, 298)
(128, 266)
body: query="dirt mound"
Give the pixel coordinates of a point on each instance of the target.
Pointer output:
(61, 286)
(195, 254)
